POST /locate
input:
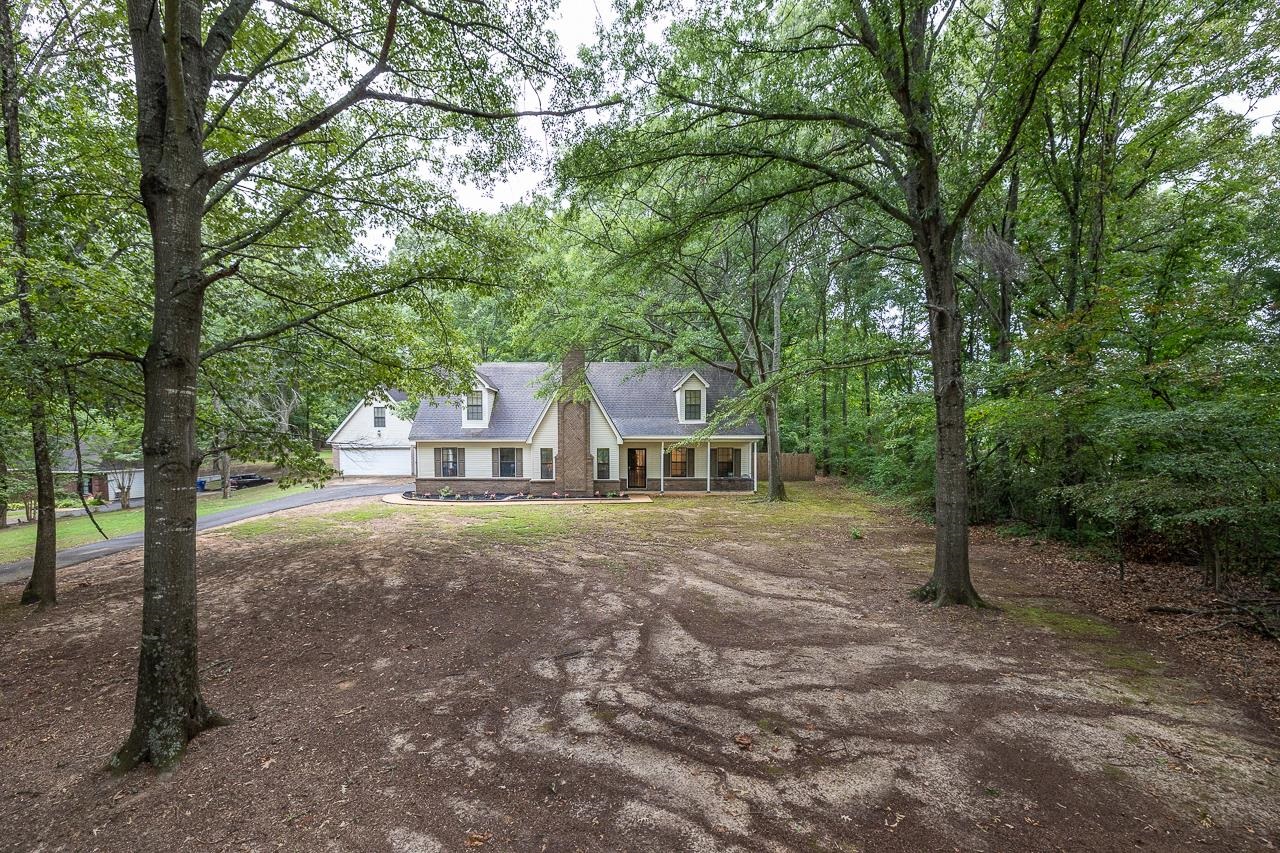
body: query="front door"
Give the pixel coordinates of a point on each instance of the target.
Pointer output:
(637, 474)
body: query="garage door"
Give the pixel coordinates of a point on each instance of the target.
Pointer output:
(374, 461)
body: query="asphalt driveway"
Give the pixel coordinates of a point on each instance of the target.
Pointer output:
(79, 554)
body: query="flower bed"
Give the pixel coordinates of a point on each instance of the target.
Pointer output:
(468, 497)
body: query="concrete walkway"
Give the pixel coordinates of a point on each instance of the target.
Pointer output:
(71, 556)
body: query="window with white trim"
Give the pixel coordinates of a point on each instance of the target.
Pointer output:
(546, 463)
(379, 417)
(475, 406)
(692, 404)
(602, 463)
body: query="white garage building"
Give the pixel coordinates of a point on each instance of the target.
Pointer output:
(374, 439)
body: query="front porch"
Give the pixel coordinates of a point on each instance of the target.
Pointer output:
(675, 465)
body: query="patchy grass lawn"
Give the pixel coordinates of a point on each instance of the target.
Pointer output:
(19, 541)
(693, 674)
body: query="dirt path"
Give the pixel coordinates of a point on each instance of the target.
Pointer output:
(689, 675)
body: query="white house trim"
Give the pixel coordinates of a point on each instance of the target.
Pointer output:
(617, 435)
(345, 421)
(379, 402)
(680, 384)
(542, 417)
(688, 439)
(488, 396)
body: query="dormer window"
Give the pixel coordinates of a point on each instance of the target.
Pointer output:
(692, 404)
(475, 406)
(691, 398)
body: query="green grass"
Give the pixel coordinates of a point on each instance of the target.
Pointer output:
(367, 513)
(1059, 622)
(19, 541)
(525, 525)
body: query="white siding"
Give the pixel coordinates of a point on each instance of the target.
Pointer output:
(602, 436)
(359, 430)
(544, 435)
(653, 462)
(137, 488)
(477, 458)
(692, 383)
(699, 451)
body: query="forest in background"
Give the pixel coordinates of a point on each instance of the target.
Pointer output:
(1006, 261)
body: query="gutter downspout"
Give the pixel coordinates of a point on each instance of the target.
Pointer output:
(708, 467)
(662, 467)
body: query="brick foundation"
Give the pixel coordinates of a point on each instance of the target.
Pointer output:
(462, 486)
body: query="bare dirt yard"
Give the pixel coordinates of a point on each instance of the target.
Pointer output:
(696, 674)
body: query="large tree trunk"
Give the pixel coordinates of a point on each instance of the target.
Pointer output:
(168, 709)
(950, 583)
(822, 379)
(773, 435)
(4, 488)
(42, 588)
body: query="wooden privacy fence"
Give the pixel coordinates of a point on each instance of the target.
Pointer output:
(795, 466)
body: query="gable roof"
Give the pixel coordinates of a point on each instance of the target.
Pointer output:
(635, 396)
(638, 399)
(685, 379)
(515, 410)
(395, 395)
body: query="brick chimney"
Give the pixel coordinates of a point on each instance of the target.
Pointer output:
(573, 409)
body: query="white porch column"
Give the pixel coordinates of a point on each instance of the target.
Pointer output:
(755, 473)
(662, 467)
(708, 466)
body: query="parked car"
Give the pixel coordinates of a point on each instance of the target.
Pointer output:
(245, 481)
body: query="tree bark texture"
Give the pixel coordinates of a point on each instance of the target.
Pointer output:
(171, 83)
(777, 489)
(951, 582)
(42, 588)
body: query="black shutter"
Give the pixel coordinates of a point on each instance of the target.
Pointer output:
(497, 461)
(666, 464)
(462, 460)
(737, 463)
(437, 452)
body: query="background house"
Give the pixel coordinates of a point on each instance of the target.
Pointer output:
(103, 478)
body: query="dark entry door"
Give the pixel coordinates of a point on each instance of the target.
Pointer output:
(637, 474)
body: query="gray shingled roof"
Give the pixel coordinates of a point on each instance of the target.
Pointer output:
(636, 396)
(639, 400)
(515, 412)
